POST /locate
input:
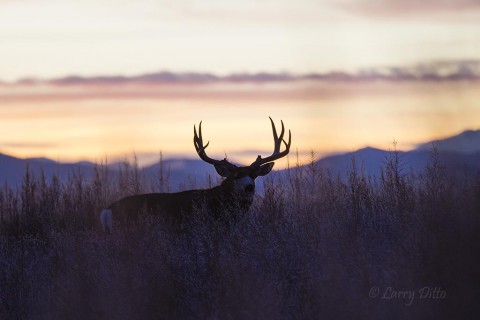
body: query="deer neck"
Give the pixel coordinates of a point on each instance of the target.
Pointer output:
(225, 197)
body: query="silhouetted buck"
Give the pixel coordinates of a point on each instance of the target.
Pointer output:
(233, 195)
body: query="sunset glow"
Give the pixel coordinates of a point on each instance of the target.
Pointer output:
(84, 122)
(48, 39)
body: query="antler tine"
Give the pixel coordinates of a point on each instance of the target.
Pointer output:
(200, 148)
(275, 136)
(277, 145)
(198, 139)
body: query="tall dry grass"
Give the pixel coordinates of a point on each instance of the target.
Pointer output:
(312, 246)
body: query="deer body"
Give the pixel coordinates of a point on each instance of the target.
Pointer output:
(226, 202)
(174, 207)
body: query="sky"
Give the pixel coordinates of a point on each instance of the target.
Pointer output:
(45, 39)
(98, 121)
(53, 38)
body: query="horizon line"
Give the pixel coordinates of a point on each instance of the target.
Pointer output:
(144, 158)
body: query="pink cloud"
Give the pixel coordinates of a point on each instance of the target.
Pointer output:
(402, 8)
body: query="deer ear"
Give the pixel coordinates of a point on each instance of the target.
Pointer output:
(223, 170)
(265, 169)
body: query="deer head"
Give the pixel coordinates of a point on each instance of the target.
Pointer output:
(242, 179)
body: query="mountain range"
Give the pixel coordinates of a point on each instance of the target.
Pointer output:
(460, 154)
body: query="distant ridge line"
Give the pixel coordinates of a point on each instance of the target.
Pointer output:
(460, 153)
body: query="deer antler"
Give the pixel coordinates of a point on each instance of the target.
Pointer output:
(200, 147)
(278, 144)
